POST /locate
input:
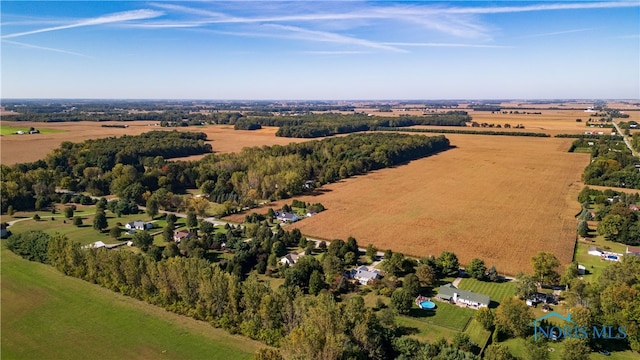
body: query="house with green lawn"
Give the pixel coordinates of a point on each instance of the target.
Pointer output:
(465, 298)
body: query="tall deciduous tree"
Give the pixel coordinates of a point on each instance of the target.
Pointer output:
(476, 269)
(153, 207)
(68, 212)
(192, 220)
(485, 317)
(498, 352)
(448, 263)
(411, 284)
(142, 240)
(525, 285)
(426, 274)
(513, 316)
(115, 232)
(544, 264)
(575, 349)
(401, 301)
(100, 221)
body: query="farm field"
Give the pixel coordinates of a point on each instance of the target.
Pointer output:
(501, 199)
(222, 137)
(496, 291)
(44, 311)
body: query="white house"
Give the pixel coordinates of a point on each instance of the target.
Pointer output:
(581, 269)
(466, 298)
(364, 275)
(291, 258)
(287, 217)
(595, 251)
(138, 225)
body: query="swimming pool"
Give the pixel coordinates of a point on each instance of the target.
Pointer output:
(427, 305)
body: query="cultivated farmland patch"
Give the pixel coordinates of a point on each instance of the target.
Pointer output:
(498, 199)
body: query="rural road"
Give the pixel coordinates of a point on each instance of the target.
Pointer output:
(625, 138)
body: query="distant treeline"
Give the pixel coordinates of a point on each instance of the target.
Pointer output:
(278, 172)
(126, 166)
(589, 136)
(471, 132)
(246, 124)
(127, 150)
(115, 126)
(320, 125)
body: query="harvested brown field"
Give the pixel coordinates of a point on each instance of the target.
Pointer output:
(501, 199)
(25, 148)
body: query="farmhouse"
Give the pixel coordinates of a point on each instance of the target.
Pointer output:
(180, 235)
(286, 217)
(291, 258)
(138, 225)
(466, 298)
(595, 251)
(633, 250)
(364, 275)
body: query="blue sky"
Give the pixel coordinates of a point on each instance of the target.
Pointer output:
(320, 50)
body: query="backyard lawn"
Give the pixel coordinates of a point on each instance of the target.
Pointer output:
(427, 325)
(595, 264)
(496, 291)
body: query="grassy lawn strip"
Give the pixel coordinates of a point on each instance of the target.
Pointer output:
(496, 291)
(85, 234)
(46, 315)
(478, 334)
(11, 130)
(519, 349)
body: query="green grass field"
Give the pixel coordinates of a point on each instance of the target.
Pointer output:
(594, 264)
(46, 315)
(518, 348)
(11, 130)
(477, 333)
(445, 321)
(84, 234)
(496, 291)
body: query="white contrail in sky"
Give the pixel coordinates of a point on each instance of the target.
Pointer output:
(101, 20)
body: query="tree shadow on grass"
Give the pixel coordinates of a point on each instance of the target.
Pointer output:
(421, 313)
(405, 330)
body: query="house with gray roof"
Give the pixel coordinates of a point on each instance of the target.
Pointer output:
(363, 274)
(138, 225)
(467, 298)
(286, 217)
(291, 258)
